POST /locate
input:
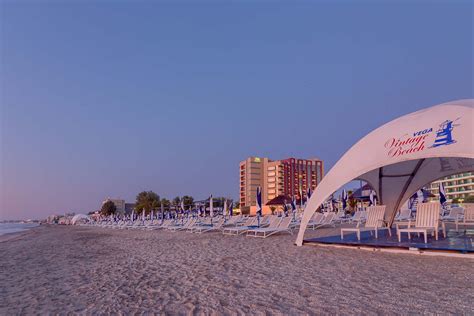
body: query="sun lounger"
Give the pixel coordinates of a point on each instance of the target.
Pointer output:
(374, 223)
(250, 222)
(189, 223)
(468, 218)
(427, 221)
(329, 219)
(276, 226)
(213, 227)
(315, 220)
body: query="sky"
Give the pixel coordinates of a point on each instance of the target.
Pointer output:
(106, 99)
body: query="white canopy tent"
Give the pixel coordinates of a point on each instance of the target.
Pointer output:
(79, 218)
(402, 156)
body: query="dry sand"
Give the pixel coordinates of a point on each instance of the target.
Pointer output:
(58, 269)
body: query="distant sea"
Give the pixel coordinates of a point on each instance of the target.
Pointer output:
(7, 228)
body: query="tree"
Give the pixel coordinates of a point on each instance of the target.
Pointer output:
(469, 199)
(176, 202)
(455, 201)
(147, 200)
(188, 201)
(108, 208)
(166, 203)
(237, 205)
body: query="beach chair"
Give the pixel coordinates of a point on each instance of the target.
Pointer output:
(189, 223)
(375, 222)
(249, 223)
(468, 218)
(357, 217)
(213, 227)
(329, 219)
(340, 216)
(159, 225)
(427, 221)
(276, 226)
(315, 220)
(403, 215)
(273, 223)
(454, 214)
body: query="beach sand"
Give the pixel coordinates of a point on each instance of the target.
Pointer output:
(59, 269)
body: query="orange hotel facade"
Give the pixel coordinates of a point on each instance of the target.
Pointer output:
(276, 177)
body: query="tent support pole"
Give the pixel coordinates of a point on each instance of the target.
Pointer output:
(379, 197)
(405, 188)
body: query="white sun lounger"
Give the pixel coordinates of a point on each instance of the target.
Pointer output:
(276, 226)
(468, 219)
(249, 223)
(213, 227)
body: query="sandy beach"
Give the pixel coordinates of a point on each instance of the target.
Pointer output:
(55, 269)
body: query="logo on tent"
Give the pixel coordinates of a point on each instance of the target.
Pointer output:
(444, 134)
(415, 142)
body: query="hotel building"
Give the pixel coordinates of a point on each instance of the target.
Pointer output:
(457, 186)
(276, 177)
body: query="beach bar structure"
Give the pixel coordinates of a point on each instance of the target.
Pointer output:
(400, 157)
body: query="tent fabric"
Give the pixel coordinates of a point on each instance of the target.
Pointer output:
(78, 217)
(402, 156)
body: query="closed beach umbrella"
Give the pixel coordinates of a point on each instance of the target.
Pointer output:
(293, 207)
(259, 204)
(224, 211)
(301, 197)
(420, 196)
(162, 212)
(372, 198)
(344, 199)
(151, 215)
(308, 195)
(133, 214)
(143, 215)
(211, 206)
(231, 208)
(442, 194)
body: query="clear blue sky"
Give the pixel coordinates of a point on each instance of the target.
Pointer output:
(107, 99)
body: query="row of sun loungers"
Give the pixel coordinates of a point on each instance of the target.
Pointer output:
(236, 225)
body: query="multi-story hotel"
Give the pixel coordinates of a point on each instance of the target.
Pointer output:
(286, 177)
(458, 186)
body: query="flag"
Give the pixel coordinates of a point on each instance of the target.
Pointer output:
(442, 194)
(308, 194)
